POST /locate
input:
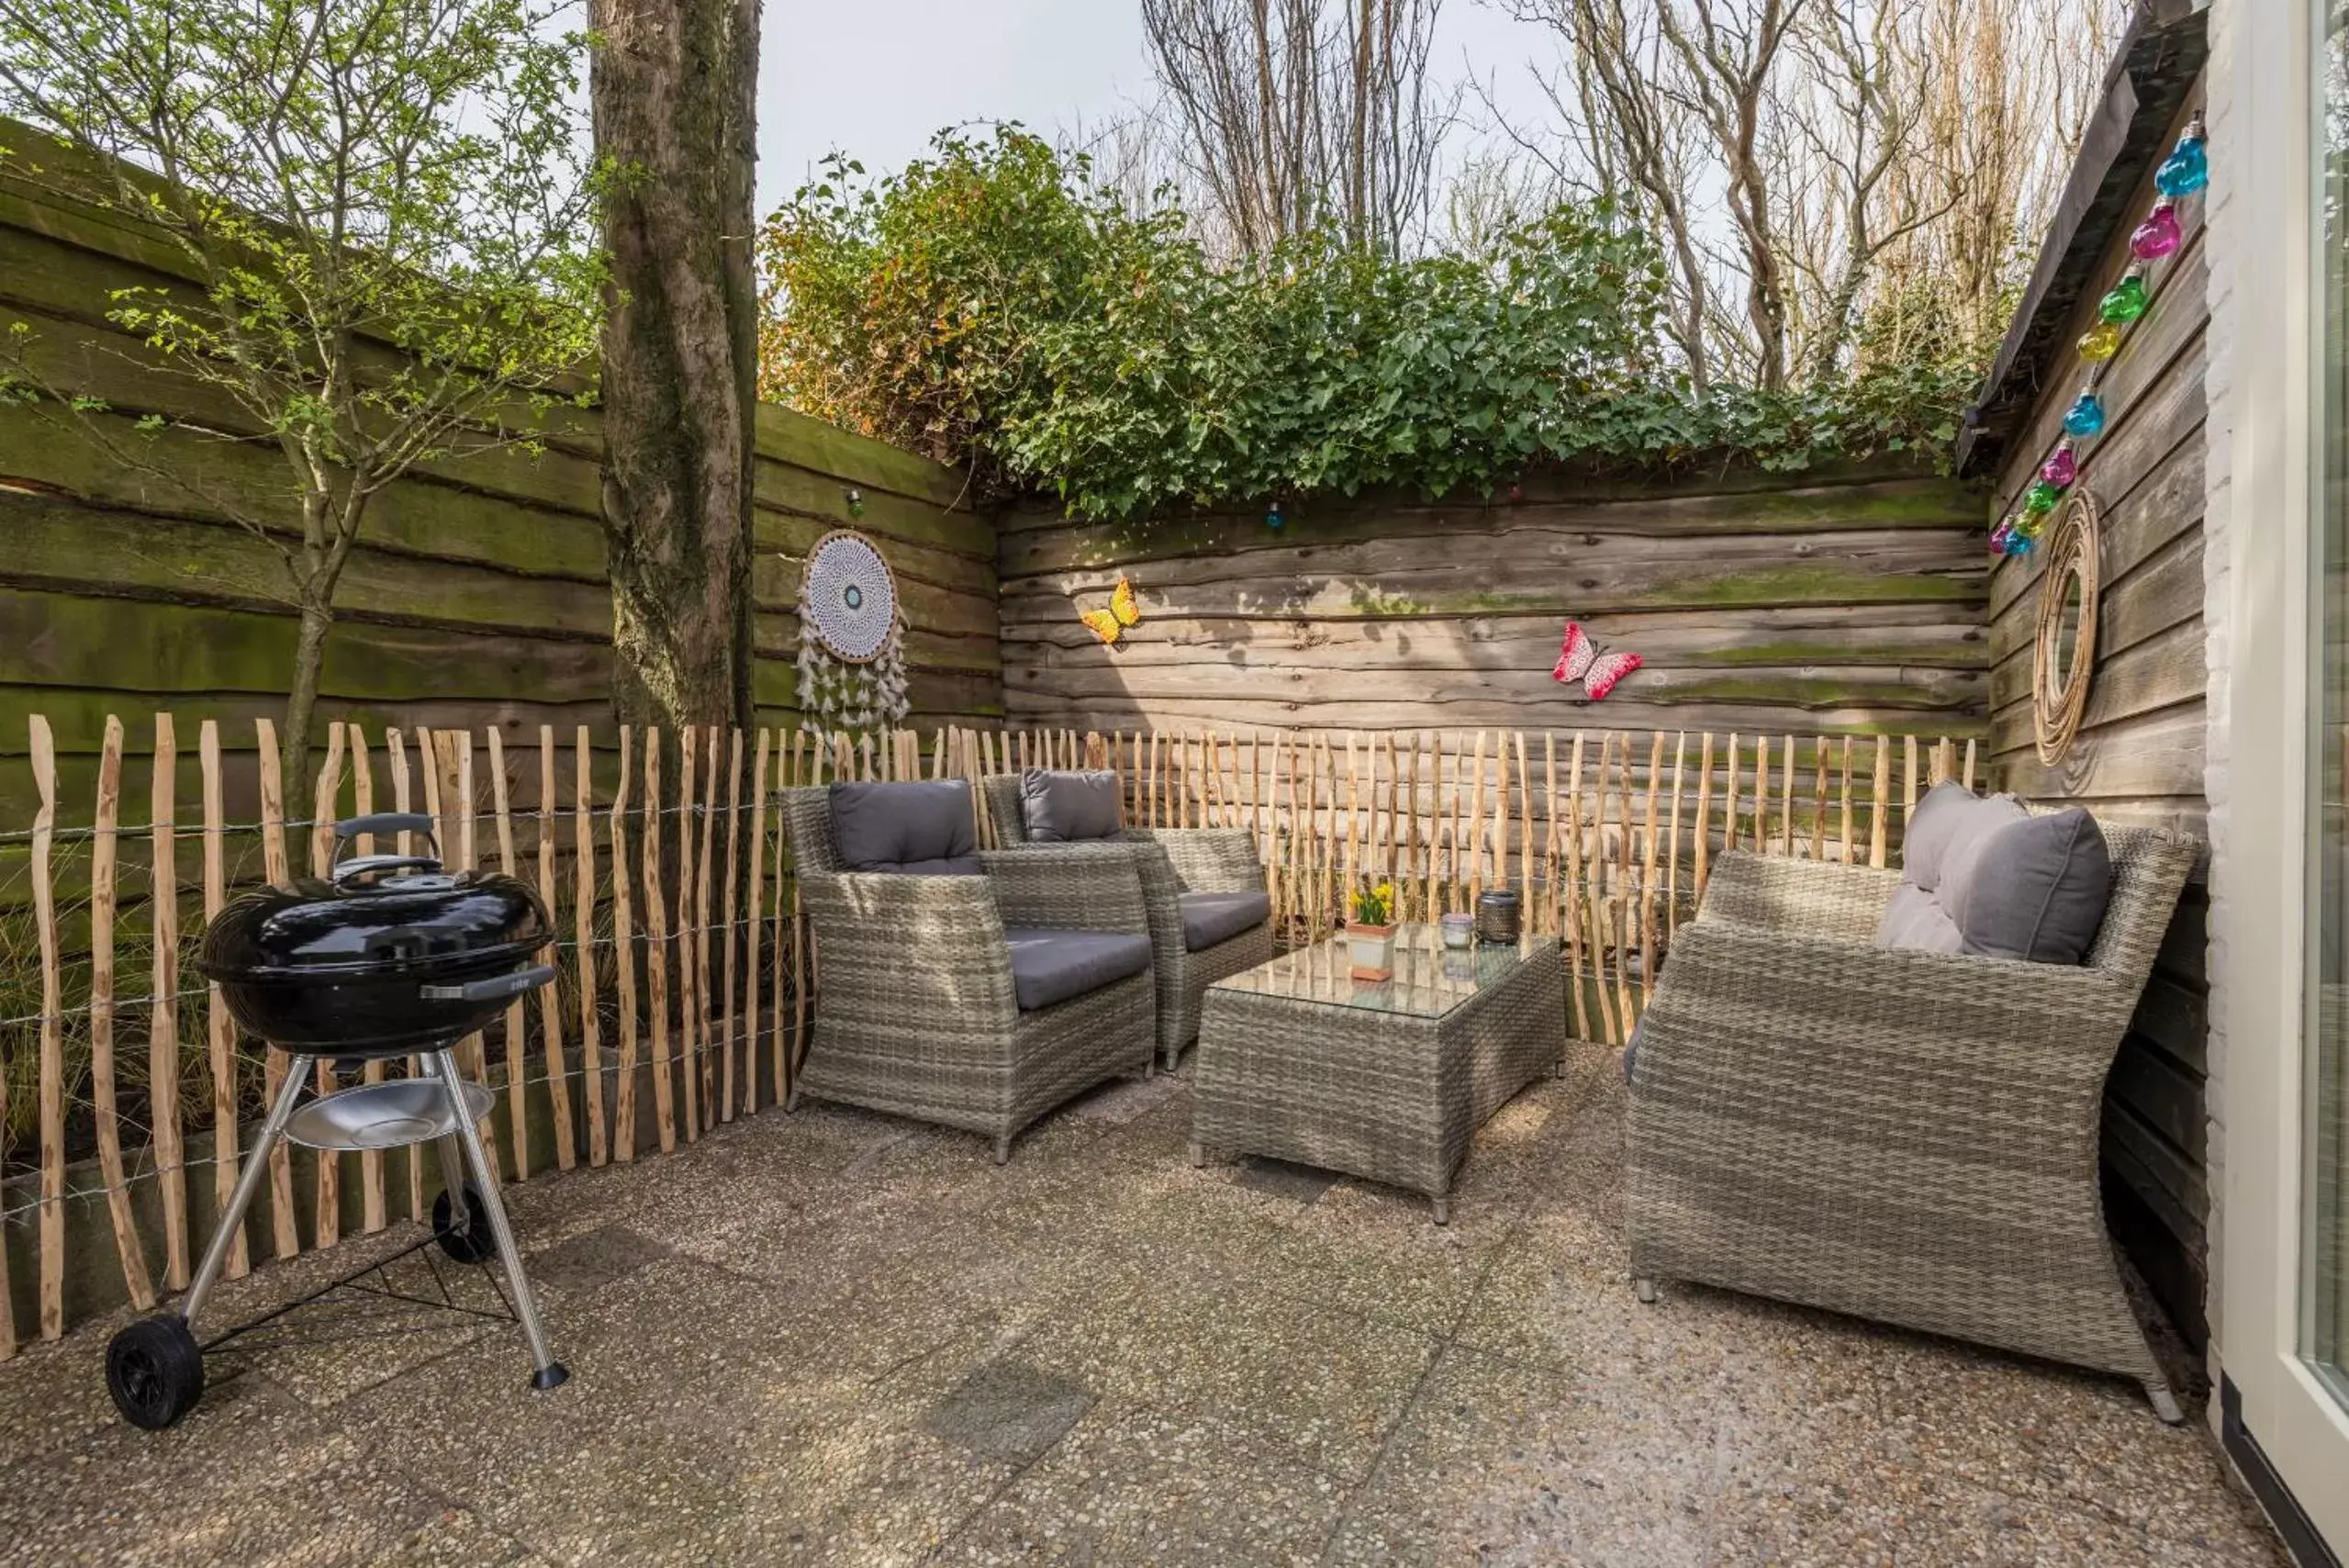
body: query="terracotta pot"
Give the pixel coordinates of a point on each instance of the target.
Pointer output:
(1371, 948)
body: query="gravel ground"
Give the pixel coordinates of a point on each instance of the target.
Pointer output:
(835, 1338)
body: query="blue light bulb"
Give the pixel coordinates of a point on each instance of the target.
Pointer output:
(2187, 169)
(2084, 417)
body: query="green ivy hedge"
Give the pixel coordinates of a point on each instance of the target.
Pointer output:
(990, 305)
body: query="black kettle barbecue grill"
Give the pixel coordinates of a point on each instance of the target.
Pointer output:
(390, 956)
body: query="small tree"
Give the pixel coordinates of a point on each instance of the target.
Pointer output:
(388, 230)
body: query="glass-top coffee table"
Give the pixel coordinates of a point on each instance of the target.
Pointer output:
(1386, 1081)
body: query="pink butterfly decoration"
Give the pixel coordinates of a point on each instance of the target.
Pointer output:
(1579, 659)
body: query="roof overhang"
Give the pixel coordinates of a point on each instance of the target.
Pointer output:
(2160, 54)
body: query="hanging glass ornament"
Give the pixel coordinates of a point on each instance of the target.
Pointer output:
(2157, 236)
(1272, 517)
(2188, 168)
(2127, 301)
(2017, 543)
(2030, 524)
(2040, 498)
(2100, 343)
(2001, 535)
(2061, 469)
(2084, 417)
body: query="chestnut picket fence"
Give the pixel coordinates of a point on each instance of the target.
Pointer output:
(685, 966)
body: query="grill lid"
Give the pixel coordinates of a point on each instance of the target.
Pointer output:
(376, 915)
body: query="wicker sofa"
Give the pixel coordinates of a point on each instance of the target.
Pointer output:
(1903, 1135)
(1172, 863)
(918, 1008)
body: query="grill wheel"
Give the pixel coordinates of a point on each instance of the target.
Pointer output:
(477, 1243)
(155, 1371)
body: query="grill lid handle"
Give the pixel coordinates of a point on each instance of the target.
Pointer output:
(349, 871)
(345, 872)
(493, 988)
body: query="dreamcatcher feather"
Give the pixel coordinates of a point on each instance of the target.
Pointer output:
(852, 637)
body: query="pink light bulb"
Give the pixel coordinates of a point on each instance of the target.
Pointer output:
(2061, 469)
(2157, 236)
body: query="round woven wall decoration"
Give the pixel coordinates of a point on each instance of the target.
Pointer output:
(2065, 661)
(850, 597)
(852, 664)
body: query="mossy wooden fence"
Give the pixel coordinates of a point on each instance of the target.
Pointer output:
(685, 968)
(1847, 599)
(477, 596)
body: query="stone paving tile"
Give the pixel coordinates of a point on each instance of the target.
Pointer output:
(850, 1473)
(250, 1477)
(358, 1338)
(1300, 1184)
(1009, 1409)
(54, 1395)
(837, 1337)
(644, 1436)
(456, 1538)
(1504, 1463)
(2049, 1436)
(1422, 1285)
(594, 1259)
(1823, 1516)
(1132, 1484)
(1270, 1372)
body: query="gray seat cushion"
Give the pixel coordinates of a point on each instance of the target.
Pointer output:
(1050, 966)
(917, 828)
(1069, 807)
(1985, 877)
(1212, 918)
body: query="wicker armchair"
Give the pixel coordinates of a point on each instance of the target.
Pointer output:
(1172, 862)
(1901, 1135)
(915, 1009)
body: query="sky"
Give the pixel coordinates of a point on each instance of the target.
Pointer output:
(875, 78)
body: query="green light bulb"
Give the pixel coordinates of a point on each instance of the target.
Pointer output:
(2126, 302)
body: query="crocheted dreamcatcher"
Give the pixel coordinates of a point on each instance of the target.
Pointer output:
(852, 637)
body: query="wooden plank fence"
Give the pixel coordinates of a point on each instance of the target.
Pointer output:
(684, 957)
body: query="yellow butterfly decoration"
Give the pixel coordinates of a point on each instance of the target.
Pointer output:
(1110, 625)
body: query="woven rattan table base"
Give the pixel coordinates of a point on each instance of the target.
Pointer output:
(1392, 1097)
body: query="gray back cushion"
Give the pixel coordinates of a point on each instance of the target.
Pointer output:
(1065, 808)
(2038, 890)
(1915, 920)
(1948, 812)
(1985, 877)
(922, 828)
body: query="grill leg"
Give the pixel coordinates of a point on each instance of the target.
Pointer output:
(452, 1182)
(549, 1372)
(249, 1181)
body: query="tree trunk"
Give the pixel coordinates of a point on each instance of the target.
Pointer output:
(302, 699)
(672, 86)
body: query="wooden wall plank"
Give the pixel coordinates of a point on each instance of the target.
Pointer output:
(1803, 606)
(479, 578)
(2139, 752)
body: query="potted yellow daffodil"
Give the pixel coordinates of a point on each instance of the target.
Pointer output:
(1370, 933)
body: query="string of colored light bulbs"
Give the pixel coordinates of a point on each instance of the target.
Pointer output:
(2186, 171)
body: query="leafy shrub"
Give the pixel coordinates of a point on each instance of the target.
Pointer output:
(990, 305)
